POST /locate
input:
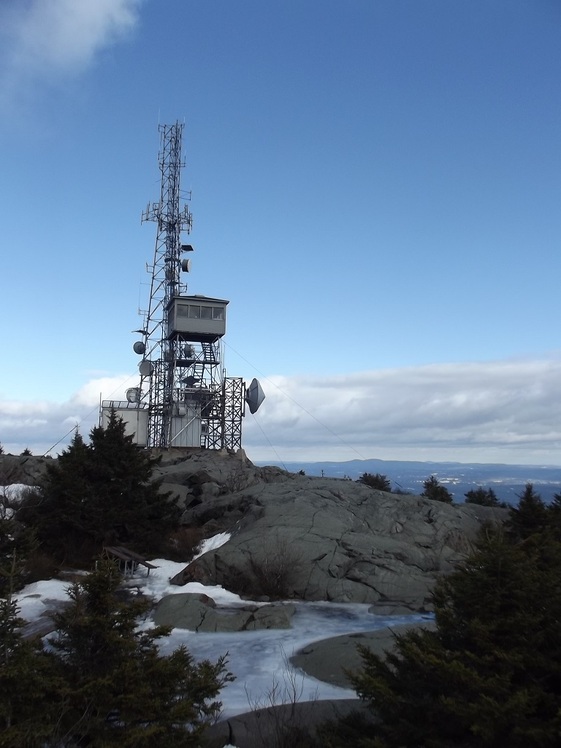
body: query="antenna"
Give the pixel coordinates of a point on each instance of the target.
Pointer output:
(184, 398)
(172, 218)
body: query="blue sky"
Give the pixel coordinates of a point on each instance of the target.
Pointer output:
(375, 188)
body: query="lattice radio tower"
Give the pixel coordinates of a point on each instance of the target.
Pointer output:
(184, 398)
(172, 217)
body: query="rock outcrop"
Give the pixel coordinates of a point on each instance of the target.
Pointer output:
(331, 660)
(300, 537)
(25, 469)
(295, 536)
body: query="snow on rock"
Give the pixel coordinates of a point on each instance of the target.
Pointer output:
(14, 491)
(211, 544)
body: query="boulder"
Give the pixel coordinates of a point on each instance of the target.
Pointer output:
(199, 613)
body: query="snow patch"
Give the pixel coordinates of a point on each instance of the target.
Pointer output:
(15, 491)
(211, 544)
(258, 659)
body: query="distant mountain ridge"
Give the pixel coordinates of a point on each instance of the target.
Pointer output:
(507, 481)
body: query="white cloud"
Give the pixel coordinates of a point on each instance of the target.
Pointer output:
(104, 388)
(44, 40)
(496, 411)
(503, 411)
(40, 425)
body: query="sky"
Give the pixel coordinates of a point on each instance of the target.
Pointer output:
(375, 188)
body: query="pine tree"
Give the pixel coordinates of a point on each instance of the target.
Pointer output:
(119, 691)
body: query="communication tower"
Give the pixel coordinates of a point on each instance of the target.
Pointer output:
(184, 398)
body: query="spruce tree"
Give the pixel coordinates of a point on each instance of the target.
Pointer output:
(59, 509)
(490, 674)
(28, 685)
(17, 544)
(376, 480)
(529, 516)
(433, 489)
(127, 503)
(554, 515)
(118, 689)
(483, 497)
(101, 493)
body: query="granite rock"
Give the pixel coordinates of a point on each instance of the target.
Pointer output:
(199, 613)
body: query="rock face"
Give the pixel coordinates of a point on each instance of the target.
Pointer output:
(295, 536)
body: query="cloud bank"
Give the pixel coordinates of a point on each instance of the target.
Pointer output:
(503, 411)
(45, 41)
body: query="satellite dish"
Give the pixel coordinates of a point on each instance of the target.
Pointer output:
(139, 347)
(146, 367)
(254, 396)
(133, 395)
(185, 265)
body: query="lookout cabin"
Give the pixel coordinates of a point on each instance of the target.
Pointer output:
(200, 319)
